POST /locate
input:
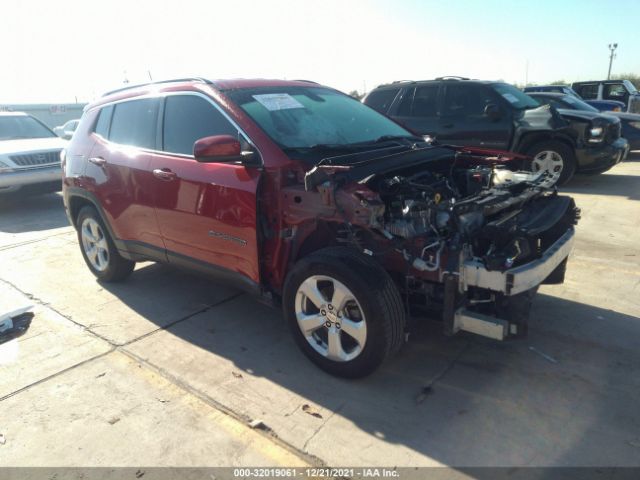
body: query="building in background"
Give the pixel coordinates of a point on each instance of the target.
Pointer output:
(51, 114)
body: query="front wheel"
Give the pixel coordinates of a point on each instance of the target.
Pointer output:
(344, 311)
(555, 158)
(98, 250)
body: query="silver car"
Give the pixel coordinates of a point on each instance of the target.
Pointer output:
(29, 154)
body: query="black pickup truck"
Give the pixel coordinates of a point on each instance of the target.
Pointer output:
(496, 115)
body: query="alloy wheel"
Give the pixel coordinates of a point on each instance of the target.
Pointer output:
(95, 244)
(330, 318)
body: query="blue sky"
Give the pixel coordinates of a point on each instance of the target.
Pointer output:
(57, 51)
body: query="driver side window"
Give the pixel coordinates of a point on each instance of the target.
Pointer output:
(188, 118)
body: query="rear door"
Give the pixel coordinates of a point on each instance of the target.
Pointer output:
(118, 171)
(418, 109)
(463, 120)
(206, 211)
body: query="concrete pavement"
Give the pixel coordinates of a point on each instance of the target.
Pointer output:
(188, 364)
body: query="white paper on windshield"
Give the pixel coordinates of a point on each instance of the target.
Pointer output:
(510, 97)
(277, 101)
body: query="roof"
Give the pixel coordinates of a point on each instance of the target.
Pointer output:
(548, 94)
(195, 84)
(399, 83)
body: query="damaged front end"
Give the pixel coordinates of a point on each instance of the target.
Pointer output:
(463, 234)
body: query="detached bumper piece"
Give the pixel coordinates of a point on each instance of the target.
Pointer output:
(524, 277)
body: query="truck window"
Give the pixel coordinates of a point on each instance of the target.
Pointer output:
(381, 100)
(588, 91)
(615, 91)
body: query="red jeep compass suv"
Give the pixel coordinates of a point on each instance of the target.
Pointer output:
(315, 201)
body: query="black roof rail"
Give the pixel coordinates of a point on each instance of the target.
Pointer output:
(174, 80)
(452, 77)
(403, 81)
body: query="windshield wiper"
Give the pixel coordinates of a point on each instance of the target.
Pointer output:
(389, 138)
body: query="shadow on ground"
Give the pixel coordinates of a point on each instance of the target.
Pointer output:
(19, 214)
(609, 183)
(567, 395)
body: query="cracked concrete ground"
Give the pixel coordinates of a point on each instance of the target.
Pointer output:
(169, 369)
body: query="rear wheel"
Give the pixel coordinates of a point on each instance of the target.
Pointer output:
(98, 250)
(555, 158)
(344, 311)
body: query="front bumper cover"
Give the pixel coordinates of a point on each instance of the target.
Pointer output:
(521, 278)
(30, 176)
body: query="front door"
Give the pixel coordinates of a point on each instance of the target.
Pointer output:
(463, 120)
(206, 211)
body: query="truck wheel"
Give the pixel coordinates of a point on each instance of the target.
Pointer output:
(516, 309)
(554, 157)
(98, 249)
(344, 311)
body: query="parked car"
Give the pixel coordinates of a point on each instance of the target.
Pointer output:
(601, 105)
(620, 90)
(29, 155)
(302, 194)
(497, 115)
(630, 122)
(66, 131)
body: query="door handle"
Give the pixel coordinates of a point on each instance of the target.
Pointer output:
(99, 161)
(164, 174)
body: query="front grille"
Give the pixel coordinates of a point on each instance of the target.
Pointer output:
(613, 132)
(35, 159)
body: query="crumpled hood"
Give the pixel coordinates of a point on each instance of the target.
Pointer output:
(27, 145)
(585, 115)
(543, 117)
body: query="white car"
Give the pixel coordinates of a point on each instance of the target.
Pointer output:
(29, 154)
(66, 131)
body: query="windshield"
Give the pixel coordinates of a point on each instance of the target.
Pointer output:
(630, 86)
(515, 97)
(306, 117)
(577, 104)
(17, 126)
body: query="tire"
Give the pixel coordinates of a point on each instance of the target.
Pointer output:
(554, 150)
(376, 316)
(103, 259)
(516, 309)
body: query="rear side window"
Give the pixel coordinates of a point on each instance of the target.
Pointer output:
(420, 102)
(104, 120)
(188, 118)
(134, 123)
(587, 91)
(381, 100)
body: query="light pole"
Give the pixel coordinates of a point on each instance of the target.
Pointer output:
(612, 54)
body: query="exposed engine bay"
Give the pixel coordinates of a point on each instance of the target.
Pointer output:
(463, 232)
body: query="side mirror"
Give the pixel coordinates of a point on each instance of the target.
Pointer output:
(220, 149)
(493, 112)
(67, 135)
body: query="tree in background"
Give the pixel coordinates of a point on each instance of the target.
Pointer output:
(356, 95)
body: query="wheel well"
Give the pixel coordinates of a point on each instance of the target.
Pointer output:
(75, 205)
(324, 235)
(529, 140)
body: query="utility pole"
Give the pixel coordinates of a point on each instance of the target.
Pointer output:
(612, 55)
